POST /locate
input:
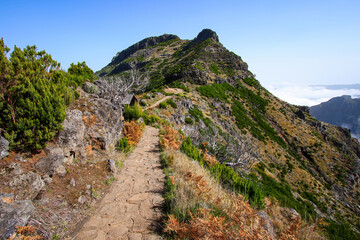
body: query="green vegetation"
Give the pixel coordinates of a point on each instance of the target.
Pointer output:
(34, 94)
(215, 68)
(189, 120)
(282, 192)
(337, 231)
(216, 91)
(171, 103)
(163, 105)
(252, 82)
(163, 44)
(133, 112)
(226, 175)
(150, 119)
(196, 113)
(123, 145)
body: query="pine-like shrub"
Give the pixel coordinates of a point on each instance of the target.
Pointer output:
(34, 94)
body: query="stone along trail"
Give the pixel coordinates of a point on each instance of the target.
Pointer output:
(132, 208)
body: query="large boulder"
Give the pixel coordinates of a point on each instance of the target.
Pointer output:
(4, 147)
(13, 213)
(53, 160)
(28, 185)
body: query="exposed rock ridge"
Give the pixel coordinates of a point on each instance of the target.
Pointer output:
(206, 34)
(145, 43)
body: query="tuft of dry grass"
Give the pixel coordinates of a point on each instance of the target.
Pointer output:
(132, 132)
(170, 138)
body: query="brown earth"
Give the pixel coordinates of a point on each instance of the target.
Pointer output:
(133, 207)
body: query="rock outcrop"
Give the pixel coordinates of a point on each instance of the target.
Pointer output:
(13, 213)
(206, 34)
(53, 160)
(147, 42)
(4, 147)
(28, 185)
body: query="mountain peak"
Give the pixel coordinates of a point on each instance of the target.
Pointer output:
(206, 34)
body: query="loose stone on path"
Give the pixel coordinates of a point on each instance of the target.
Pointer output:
(133, 207)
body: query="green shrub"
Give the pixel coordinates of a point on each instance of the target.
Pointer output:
(251, 82)
(343, 231)
(196, 113)
(149, 119)
(123, 145)
(171, 103)
(34, 95)
(163, 105)
(132, 112)
(191, 150)
(215, 68)
(189, 120)
(226, 175)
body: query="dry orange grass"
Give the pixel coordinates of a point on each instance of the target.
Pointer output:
(89, 120)
(132, 132)
(170, 139)
(26, 233)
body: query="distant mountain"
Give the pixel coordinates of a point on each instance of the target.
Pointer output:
(341, 111)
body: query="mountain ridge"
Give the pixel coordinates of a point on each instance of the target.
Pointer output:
(242, 124)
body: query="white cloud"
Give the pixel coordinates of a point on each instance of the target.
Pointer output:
(308, 95)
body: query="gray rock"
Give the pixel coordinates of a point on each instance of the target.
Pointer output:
(267, 224)
(111, 166)
(72, 137)
(72, 182)
(90, 88)
(4, 147)
(28, 185)
(19, 158)
(53, 160)
(13, 213)
(83, 199)
(15, 169)
(206, 34)
(47, 179)
(61, 171)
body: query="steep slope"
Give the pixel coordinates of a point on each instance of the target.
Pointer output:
(284, 152)
(341, 111)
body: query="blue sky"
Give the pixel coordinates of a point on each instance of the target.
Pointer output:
(284, 42)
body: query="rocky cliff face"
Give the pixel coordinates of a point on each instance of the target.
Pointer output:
(224, 107)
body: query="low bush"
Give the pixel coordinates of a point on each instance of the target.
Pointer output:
(133, 112)
(163, 105)
(150, 119)
(171, 103)
(123, 145)
(189, 120)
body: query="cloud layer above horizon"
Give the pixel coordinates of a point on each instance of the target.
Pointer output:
(308, 95)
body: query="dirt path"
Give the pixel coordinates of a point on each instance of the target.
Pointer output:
(158, 102)
(133, 207)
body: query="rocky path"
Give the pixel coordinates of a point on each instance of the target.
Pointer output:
(132, 208)
(158, 102)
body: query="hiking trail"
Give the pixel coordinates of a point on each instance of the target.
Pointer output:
(133, 207)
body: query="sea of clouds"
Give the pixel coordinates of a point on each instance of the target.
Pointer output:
(310, 95)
